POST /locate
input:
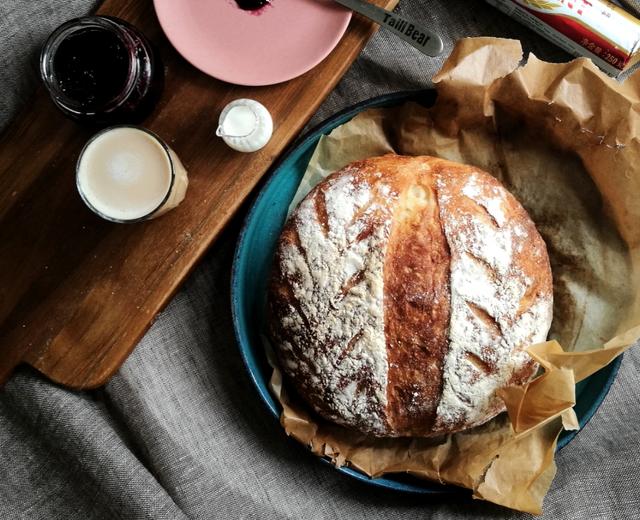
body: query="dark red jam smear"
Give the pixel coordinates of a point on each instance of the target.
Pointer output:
(91, 67)
(252, 5)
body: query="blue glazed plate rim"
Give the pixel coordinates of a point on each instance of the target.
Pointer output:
(416, 486)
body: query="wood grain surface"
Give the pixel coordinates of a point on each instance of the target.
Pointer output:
(77, 292)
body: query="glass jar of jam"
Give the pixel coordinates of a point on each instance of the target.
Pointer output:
(101, 70)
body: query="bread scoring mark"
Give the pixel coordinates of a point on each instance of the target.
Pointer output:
(487, 268)
(347, 287)
(490, 246)
(526, 299)
(364, 209)
(356, 279)
(352, 342)
(486, 318)
(298, 244)
(366, 232)
(294, 303)
(378, 191)
(321, 211)
(492, 218)
(489, 199)
(478, 362)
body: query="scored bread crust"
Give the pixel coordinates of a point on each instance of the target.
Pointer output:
(403, 293)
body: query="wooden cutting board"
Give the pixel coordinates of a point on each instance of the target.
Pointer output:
(77, 292)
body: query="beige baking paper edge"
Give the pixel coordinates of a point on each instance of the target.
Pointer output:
(564, 139)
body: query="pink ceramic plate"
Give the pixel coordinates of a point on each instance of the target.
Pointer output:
(277, 43)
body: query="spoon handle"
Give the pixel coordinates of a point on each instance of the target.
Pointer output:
(413, 33)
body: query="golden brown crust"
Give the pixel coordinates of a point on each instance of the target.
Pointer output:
(365, 314)
(416, 304)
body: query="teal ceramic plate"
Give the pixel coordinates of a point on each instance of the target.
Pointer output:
(252, 264)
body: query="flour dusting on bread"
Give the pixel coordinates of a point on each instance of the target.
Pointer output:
(404, 293)
(488, 330)
(336, 277)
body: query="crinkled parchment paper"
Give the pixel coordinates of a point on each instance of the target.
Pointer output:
(564, 140)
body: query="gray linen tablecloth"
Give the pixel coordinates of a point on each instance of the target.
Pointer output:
(179, 432)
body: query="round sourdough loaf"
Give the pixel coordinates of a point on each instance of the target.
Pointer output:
(403, 295)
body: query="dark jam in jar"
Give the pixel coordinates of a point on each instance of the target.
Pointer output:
(92, 67)
(252, 5)
(101, 70)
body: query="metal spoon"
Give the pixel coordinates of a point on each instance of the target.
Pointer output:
(414, 34)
